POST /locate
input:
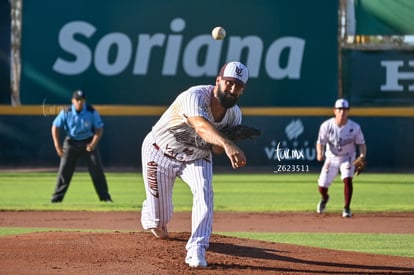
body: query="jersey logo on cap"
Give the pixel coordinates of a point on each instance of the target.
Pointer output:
(239, 71)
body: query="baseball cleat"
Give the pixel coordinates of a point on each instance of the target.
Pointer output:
(321, 206)
(160, 232)
(56, 200)
(107, 201)
(196, 260)
(346, 213)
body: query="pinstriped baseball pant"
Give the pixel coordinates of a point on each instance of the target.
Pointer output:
(159, 174)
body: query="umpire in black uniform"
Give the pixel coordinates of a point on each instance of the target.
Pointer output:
(84, 129)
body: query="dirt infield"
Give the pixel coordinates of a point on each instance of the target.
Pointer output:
(126, 249)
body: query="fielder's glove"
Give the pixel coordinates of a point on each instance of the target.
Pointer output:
(359, 164)
(241, 132)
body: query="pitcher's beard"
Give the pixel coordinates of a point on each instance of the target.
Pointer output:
(226, 99)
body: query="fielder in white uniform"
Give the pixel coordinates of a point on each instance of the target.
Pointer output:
(337, 143)
(170, 150)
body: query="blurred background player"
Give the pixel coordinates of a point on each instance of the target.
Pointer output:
(84, 128)
(201, 110)
(337, 144)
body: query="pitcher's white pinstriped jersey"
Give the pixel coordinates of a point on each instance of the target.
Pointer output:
(340, 141)
(173, 123)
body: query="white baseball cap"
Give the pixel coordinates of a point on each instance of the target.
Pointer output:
(235, 71)
(342, 104)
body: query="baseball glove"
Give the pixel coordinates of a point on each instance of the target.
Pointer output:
(359, 164)
(241, 132)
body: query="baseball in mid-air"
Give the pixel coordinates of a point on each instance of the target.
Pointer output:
(218, 33)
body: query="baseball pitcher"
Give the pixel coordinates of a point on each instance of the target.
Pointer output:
(181, 144)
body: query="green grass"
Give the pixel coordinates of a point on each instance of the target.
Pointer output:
(387, 244)
(233, 192)
(32, 191)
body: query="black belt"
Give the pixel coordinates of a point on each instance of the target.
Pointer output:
(165, 154)
(80, 140)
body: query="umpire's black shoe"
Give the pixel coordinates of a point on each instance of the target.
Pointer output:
(107, 200)
(56, 200)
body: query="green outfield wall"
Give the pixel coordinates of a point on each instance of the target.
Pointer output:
(378, 78)
(288, 138)
(145, 52)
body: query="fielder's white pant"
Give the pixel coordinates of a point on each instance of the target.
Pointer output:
(159, 174)
(332, 166)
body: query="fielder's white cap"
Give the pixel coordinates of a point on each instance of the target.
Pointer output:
(342, 104)
(235, 71)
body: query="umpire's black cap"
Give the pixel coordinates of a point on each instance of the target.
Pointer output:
(78, 94)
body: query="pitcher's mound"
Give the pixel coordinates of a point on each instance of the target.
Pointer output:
(141, 253)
